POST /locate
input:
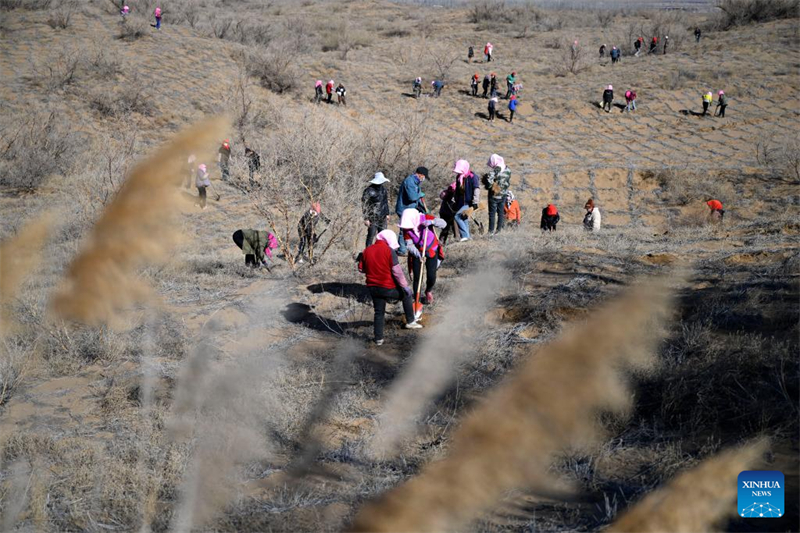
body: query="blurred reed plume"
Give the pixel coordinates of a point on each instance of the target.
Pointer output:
(134, 230)
(436, 361)
(696, 500)
(19, 256)
(548, 404)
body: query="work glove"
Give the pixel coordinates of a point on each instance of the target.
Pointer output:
(367, 223)
(422, 195)
(407, 290)
(464, 215)
(412, 250)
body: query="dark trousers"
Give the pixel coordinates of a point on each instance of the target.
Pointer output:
(431, 264)
(202, 192)
(496, 213)
(306, 239)
(509, 90)
(491, 113)
(330, 97)
(380, 296)
(511, 115)
(374, 228)
(318, 96)
(722, 110)
(485, 89)
(474, 90)
(607, 106)
(225, 169)
(417, 91)
(705, 108)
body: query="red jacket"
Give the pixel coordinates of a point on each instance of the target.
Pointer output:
(377, 262)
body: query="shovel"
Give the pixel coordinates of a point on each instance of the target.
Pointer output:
(417, 305)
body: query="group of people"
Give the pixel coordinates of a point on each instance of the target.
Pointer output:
(330, 89)
(125, 10)
(198, 171)
(490, 91)
(488, 50)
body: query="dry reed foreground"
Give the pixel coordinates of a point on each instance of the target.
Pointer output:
(241, 400)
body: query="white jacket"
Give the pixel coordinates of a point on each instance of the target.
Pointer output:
(592, 220)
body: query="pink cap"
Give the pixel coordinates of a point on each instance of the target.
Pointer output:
(610, 88)
(721, 93)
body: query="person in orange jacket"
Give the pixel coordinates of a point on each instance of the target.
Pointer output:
(717, 212)
(512, 210)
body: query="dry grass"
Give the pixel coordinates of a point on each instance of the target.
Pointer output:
(512, 438)
(705, 495)
(135, 229)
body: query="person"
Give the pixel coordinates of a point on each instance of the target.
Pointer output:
(329, 90)
(697, 34)
(487, 51)
(256, 246)
(375, 206)
(653, 45)
(510, 80)
(253, 161)
(125, 11)
(615, 53)
(493, 101)
(318, 92)
(666, 43)
(157, 14)
(493, 85)
(306, 229)
(637, 45)
(512, 211)
(512, 107)
(608, 98)
(592, 219)
(550, 218)
(486, 83)
(707, 99)
(473, 83)
(201, 181)
(575, 48)
(341, 94)
(716, 212)
(630, 100)
(437, 87)
(602, 51)
(417, 87)
(465, 192)
(410, 196)
(722, 103)
(421, 239)
(470, 54)
(386, 281)
(496, 182)
(224, 158)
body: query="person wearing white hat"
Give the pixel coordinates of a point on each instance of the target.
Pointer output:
(375, 206)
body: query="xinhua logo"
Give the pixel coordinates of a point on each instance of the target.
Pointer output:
(761, 494)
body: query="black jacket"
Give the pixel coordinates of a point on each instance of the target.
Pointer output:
(375, 203)
(549, 221)
(608, 95)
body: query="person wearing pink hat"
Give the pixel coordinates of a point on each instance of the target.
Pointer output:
(318, 92)
(722, 103)
(466, 195)
(157, 15)
(201, 181)
(608, 98)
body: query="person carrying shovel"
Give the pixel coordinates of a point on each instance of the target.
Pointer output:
(422, 245)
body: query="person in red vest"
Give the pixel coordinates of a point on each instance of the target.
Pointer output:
(717, 212)
(329, 90)
(386, 281)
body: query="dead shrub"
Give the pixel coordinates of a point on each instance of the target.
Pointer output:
(58, 71)
(35, 148)
(30, 5)
(341, 37)
(677, 79)
(132, 28)
(275, 67)
(573, 59)
(780, 155)
(61, 17)
(733, 13)
(132, 99)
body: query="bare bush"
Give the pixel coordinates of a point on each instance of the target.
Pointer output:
(343, 38)
(34, 149)
(734, 13)
(30, 5)
(275, 67)
(605, 17)
(573, 59)
(780, 155)
(61, 17)
(58, 71)
(133, 98)
(132, 28)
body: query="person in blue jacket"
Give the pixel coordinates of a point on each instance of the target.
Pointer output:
(410, 196)
(512, 106)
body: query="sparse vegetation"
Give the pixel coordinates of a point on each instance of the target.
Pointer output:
(229, 398)
(734, 13)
